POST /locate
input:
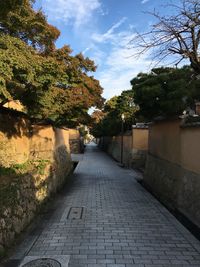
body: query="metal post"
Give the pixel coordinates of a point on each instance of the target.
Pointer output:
(122, 138)
(122, 141)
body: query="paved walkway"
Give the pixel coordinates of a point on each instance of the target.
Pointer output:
(106, 219)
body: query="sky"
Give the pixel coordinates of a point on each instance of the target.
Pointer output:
(102, 30)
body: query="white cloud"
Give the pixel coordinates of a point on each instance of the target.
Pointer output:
(96, 54)
(144, 1)
(120, 66)
(76, 12)
(109, 35)
(86, 49)
(120, 70)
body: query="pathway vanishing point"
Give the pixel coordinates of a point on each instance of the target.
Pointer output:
(106, 219)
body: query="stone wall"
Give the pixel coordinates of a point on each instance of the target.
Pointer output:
(43, 161)
(172, 170)
(75, 141)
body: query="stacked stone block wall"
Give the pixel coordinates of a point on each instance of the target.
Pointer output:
(75, 141)
(43, 155)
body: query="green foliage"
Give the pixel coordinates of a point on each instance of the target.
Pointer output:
(40, 165)
(19, 19)
(9, 183)
(26, 76)
(16, 68)
(108, 122)
(50, 83)
(11, 178)
(164, 92)
(16, 170)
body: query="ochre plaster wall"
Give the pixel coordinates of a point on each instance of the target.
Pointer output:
(42, 142)
(165, 140)
(190, 149)
(140, 139)
(74, 134)
(173, 167)
(135, 146)
(14, 140)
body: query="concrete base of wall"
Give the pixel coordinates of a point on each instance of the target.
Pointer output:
(138, 158)
(114, 150)
(175, 186)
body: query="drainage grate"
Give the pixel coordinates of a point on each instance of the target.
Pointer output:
(75, 213)
(45, 262)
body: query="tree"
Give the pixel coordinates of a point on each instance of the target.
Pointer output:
(178, 34)
(50, 83)
(97, 115)
(108, 122)
(164, 92)
(19, 19)
(81, 90)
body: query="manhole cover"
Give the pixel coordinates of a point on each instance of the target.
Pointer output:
(45, 262)
(75, 213)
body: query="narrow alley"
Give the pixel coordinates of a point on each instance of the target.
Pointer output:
(107, 219)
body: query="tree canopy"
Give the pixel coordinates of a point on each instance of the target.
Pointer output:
(50, 83)
(162, 93)
(165, 92)
(19, 19)
(108, 121)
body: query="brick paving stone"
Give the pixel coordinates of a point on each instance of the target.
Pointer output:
(119, 224)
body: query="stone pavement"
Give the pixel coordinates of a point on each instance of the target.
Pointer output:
(106, 219)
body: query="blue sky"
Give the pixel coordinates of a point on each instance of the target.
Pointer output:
(101, 30)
